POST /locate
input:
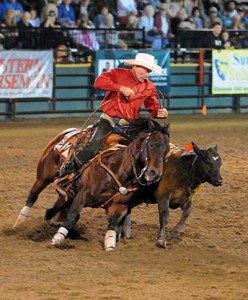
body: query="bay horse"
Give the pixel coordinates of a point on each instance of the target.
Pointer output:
(50, 163)
(139, 163)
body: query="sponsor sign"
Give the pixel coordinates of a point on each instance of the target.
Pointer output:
(26, 74)
(230, 71)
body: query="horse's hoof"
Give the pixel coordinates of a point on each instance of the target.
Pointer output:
(109, 249)
(161, 243)
(110, 240)
(24, 214)
(59, 236)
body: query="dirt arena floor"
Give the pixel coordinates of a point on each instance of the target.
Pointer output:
(209, 262)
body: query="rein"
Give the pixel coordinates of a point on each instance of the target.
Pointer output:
(138, 177)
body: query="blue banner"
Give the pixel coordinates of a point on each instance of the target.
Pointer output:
(109, 59)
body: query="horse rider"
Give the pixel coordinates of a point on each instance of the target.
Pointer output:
(126, 91)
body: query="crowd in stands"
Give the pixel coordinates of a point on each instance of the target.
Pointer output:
(161, 20)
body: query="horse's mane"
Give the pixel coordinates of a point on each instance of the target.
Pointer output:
(141, 125)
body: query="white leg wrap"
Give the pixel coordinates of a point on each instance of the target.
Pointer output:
(110, 240)
(59, 236)
(23, 215)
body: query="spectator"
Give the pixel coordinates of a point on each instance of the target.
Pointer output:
(163, 24)
(51, 33)
(76, 7)
(51, 21)
(195, 18)
(239, 39)
(214, 40)
(96, 4)
(50, 6)
(66, 15)
(241, 15)
(181, 22)
(26, 34)
(213, 3)
(152, 33)
(10, 33)
(85, 39)
(61, 54)
(34, 19)
(226, 40)
(231, 6)
(84, 7)
(227, 19)
(173, 9)
(2, 12)
(127, 12)
(140, 5)
(100, 18)
(16, 6)
(155, 4)
(213, 18)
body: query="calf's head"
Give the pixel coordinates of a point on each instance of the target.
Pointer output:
(209, 162)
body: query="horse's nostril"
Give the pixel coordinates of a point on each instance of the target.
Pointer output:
(152, 173)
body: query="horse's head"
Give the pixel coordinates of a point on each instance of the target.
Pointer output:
(149, 151)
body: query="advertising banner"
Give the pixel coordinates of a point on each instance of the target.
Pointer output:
(108, 59)
(26, 74)
(230, 71)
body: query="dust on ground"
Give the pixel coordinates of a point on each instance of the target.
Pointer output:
(210, 261)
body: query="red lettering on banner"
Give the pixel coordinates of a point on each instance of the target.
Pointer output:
(10, 65)
(28, 65)
(25, 81)
(19, 66)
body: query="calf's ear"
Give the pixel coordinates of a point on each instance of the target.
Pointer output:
(216, 148)
(196, 148)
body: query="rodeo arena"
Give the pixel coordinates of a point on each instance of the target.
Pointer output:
(123, 129)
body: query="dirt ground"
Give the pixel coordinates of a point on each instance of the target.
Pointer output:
(209, 262)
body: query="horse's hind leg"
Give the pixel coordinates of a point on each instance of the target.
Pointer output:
(126, 230)
(61, 206)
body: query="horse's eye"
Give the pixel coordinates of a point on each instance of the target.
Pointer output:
(151, 145)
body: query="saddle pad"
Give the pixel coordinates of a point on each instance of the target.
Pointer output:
(63, 148)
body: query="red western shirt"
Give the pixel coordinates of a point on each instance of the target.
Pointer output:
(126, 107)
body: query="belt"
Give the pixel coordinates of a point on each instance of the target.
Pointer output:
(113, 121)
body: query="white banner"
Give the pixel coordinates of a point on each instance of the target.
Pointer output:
(26, 74)
(230, 71)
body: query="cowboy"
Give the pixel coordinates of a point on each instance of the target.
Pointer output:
(126, 91)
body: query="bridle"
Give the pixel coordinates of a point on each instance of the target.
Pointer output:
(147, 159)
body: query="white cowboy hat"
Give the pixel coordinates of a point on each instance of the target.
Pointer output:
(144, 60)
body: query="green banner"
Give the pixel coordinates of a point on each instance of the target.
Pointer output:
(109, 59)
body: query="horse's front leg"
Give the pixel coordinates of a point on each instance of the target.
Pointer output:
(69, 223)
(186, 210)
(39, 185)
(163, 210)
(116, 214)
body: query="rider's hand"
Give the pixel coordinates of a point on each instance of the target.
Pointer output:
(162, 113)
(126, 91)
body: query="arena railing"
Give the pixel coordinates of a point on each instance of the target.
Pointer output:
(82, 39)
